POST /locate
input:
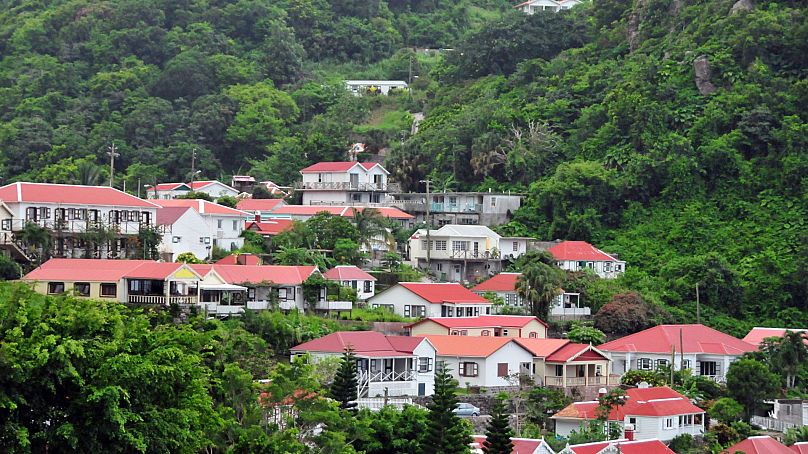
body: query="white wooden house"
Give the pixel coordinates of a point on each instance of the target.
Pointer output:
(580, 255)
(221, 227)
(344, 183)
(419, 299)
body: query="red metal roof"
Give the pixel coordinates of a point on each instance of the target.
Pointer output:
(70, 194)
(575, 352)
(406, 344)
(257, 274)
(763, 444)
(363, 343)
(542, 348)
(259, 204)
(520, 445)
(233, 259)
(269, 228)
(800, 448)
(756, 335)
(579, 250)
(483, 321)
(626, 447)
(170, 215)
(444, 293)
(347, 273)
(168, 187)
(657, 401)
(471, 346)
(326, 167)
(100, 270)
(696, 339)
(502, 282)
(202, 184)
(201, 206)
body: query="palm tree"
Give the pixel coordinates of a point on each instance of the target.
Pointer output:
(371, 224)
(88, 174)
(36, 237)
(539, 283)
(787, 354)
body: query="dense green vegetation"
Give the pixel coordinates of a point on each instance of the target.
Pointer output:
(696, 178)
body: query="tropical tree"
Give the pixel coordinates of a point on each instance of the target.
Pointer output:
(796, 435)
(584, 334)
(446, 433)
(539, 283)
(787, 354)
(498, 432)
(188, 257)
(343, 390)
(36, 238)
(750, 382)
(371, 224)
(9, 269)
(726, 410)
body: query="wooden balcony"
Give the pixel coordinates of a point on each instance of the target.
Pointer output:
(346, 186)
(160, 300)
(559, 382)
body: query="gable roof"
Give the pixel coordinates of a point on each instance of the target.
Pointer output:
(450, 230)
(800, 448)
(363, 343)
(201, 206)
(625, 447)
(469, 346)
(170, 215)
(576, 352)
(763, 444)
(757, 334)
(102, 270)
(520, 445)
(696, 339)
(70, 194)
(259, 204)
(347, 273)
(483, 321)
(579, 250)
(170, 187)
(260, 274)
(542, 348)
(437, 293)
(233, 259)
(269, 228)
(502, 282)
(656, 401)
(340, 166)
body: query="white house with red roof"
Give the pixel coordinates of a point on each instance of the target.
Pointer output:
(483, 325)
(800, 447)
(221, 227)
(580, 255)
(534, 6)
(354, 277)
(391, 365)
(269, 228)
(503, 285)
(421, 299)
(764, 444)
(344, 183)
(483, 361)
(213, 188)
(259, 206)
(657, 413)
(458, 253)
(126, 281)
(520, 445)
(68, 212)
(559, 363)
(705, 351)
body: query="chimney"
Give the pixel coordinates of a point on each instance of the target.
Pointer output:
(602, 392)
(241, 259)
(629, 432)
(257, 216)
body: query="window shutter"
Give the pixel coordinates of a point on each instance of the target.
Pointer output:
(502, 370)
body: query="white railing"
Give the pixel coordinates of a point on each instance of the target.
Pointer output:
(575, 381)
(771, 424)
(287, 305)
(377, 403)
(162, 300)
(366, 376)
(334, 305)
(347, 186)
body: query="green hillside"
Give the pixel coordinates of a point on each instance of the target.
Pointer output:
(671, 133)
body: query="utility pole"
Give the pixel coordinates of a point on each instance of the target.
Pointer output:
(698, 306)
(428, 224)
(112, 155)
(193, 167)
(138, 188)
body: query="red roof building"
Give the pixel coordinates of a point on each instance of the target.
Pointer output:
(262, 205)
(520, 445)
(500, 283)
(800, 448)
(580, 255)
(354, 277)
(483, 325)
(653, 413)
(269, 228)
(201, 206)
(240, 259)
(619, 447)
(69, 194)
(763, 444)
(756, 335)
(419, 299)
(304, 212)
(338, 167)
(444, 293)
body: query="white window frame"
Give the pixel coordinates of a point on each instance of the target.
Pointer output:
(644, 364)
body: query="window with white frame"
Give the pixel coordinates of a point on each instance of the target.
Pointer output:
(685, 420)
(424, 364)
(176, 239)
(460, 245)
(505, 332)
(235, 225)
(439, 267)
(644, 363)
(468, 369)
(661, 363)
(669, 423)
(219, 223)
(686, 364)
(440, 245)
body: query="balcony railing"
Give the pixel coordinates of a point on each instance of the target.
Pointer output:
(550, 380)
(162, 300)
(347, 186)
(437, 207)
(334, 305)
(373, 377)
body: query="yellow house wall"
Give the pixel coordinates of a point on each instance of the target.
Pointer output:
(95, 289)
(428, 327)
(534, 326)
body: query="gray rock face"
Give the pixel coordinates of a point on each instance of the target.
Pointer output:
(741, 5)
(701, 66)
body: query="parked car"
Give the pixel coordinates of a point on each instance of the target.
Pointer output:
(465, 409)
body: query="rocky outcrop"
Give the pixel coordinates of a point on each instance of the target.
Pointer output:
(741, 5)
(701, 66)
(633, 31)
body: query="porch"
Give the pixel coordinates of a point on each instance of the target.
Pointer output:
(392, 376)
(572, 375)
(223, 299)
(162, 293)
